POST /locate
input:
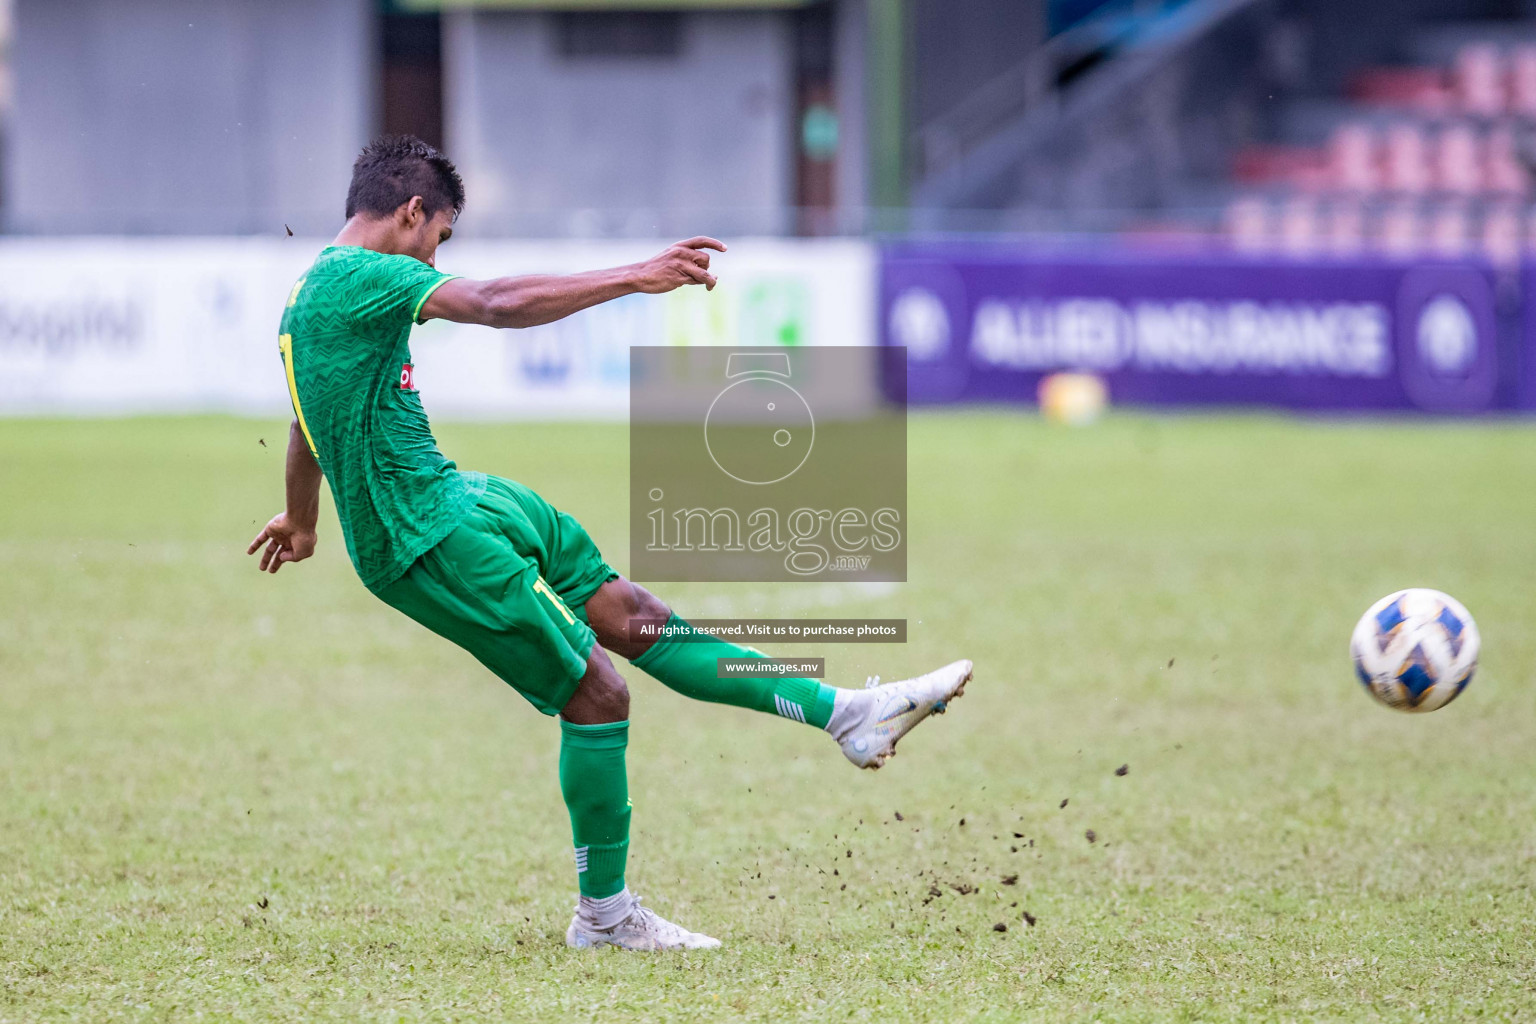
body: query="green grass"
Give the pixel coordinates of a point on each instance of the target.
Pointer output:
(230, 796)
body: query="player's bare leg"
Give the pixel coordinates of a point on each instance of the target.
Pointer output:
(594, 732)
(867, 723)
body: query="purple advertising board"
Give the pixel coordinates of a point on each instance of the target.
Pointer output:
(986, 324)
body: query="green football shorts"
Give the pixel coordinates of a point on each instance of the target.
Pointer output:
(509, 586)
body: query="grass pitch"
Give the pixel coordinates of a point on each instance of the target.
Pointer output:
(229, 796)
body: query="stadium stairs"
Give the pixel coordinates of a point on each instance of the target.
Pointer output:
(1117, 112)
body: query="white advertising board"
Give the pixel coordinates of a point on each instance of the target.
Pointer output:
(102, 326)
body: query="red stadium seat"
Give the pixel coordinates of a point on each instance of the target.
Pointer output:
(1530, 232)
(1400, 230)
(1303, 166)
(1344, 228)
(1500, 239)
(1480, 80)
(1353, 159)
(1503, 173)
(1522, 81)
(1407, 166)
(1420, 89)
(1248, 224)
(1299, 228)
(1450, 230)
(1458, 159)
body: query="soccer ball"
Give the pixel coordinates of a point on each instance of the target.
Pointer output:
(1415, 650)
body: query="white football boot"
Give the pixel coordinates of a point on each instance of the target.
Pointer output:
(891, 711)
(643, 929)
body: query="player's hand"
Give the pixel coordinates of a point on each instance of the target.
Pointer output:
(678, 265)
(282, 541)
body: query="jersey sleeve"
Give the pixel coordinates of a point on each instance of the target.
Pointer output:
(396, 289)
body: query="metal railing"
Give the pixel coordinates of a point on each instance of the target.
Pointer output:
(1033, 82)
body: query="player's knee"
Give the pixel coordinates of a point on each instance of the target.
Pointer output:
(602, 695)
(615, 696)
(626, 617)
(647, 609)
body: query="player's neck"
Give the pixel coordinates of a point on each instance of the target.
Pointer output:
(380, 235)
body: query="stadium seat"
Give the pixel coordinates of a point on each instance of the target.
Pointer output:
(1458, 159)
(1299, 226)
(1450, 230)
(1522, 81)
(1248, 224)
(1353, 163)
(1423, 90)
(1503, 173)
(1300, 166)
(1529, 232)
(1407, 166)
(1479, 75)
(1500, 239)
(1399, 230)
(1344, 228)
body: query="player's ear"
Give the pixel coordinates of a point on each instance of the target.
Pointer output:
(414, 214)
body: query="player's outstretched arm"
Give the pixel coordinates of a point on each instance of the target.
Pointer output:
(290, 536)
(544, 298)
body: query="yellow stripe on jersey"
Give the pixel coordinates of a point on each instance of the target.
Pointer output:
(285, 346)
(416, 313)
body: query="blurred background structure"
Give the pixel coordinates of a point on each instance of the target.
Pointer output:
(1145, 133)
(1280, 125)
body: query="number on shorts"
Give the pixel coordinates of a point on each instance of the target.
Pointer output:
(554, 598)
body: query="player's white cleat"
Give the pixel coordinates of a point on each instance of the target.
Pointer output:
(878, 715)
(643, 929)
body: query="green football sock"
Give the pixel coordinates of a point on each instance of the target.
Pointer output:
(596, 792)
(687, 664)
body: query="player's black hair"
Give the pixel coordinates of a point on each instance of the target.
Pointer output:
(392, 169)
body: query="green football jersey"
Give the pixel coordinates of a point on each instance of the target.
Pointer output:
(345, 343)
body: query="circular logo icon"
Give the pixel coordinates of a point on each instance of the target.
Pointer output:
(1447, 336)
(759, 430)
(920, 322)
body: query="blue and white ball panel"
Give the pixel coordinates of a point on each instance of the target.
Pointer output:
(1415, 650)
